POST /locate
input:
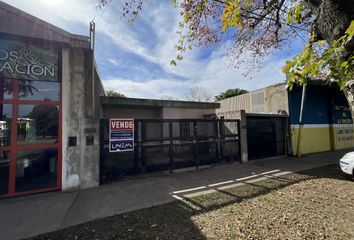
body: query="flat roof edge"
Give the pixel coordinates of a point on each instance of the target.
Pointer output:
(74, 40)
(139, 102)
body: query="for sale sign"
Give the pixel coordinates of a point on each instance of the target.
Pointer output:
(121, 135)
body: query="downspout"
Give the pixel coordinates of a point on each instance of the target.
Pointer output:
(301, 124)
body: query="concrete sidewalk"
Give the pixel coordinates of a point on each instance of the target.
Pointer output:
(32, 215)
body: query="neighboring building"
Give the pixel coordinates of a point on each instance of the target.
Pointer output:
(46, 84)
(136, 108)
(327, 122)
(50, 107)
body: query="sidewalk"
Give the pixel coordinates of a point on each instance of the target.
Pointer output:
(32, 215)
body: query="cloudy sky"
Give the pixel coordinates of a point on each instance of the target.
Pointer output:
(135, 59)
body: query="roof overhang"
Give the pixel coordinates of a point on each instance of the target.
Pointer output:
(154, 103)
(17, 22)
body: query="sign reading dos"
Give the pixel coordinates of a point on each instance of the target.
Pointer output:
(121, 135)
(21, 60)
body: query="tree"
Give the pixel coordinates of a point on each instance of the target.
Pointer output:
(168, 97)
(260, 26)
(230, 93)
(198, 94)
(46, 120)
(111, 93)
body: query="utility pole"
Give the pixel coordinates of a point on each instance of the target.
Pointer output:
(301, 120)
(92, 46)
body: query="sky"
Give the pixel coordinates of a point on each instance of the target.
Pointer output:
(134, 59)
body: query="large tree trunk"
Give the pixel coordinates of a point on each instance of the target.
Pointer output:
(333, 17)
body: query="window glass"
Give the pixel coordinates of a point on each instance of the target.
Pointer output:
(39, 90)
(36, 169)
(37, 124)
(6, 89)
(4, 171)
(5, 124)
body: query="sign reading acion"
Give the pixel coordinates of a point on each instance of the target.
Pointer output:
(121, 135)
(22, 60)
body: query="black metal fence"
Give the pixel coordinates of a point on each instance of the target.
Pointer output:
(168, 144)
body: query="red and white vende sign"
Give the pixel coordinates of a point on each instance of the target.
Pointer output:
(121, 124)
(121, 135)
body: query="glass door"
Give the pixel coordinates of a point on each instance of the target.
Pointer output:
(30, 137)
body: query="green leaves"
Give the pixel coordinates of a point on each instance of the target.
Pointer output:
(295, 14)
(320, 62)
(230, 93)
(349, 33)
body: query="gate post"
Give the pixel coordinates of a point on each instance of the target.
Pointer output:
(220, 133)
(103, 128)
(195, 141)
(243, 137)
(142, 150)
(170, 130)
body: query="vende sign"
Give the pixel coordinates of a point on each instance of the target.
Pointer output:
(119, 124)
(121, 135)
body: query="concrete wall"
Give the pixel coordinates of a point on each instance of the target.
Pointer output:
(161, 113)
(135, 113)
(81, 162)
(176, 113)
(258, 101)
(276, 99)
(272, 99)
(230, 105)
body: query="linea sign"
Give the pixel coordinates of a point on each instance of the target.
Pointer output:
(20, 60)
(121, 135)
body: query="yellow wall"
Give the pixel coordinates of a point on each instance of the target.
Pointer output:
(323, 138)
(343, 136)
(312, 139)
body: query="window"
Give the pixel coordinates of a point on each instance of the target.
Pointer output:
(38, 90)
(36, 169)
(5, 124)
(6, 89)
(4, 171)
(37, 124)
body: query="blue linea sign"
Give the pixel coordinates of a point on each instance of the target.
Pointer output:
(121, 135)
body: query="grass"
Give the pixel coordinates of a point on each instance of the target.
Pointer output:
(313, 204)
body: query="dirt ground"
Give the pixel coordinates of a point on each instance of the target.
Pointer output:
(313, 204)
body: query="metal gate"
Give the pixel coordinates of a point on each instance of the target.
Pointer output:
(167, 144)
(266, 136)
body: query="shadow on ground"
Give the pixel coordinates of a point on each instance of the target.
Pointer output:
(251, 189)
(174, 220)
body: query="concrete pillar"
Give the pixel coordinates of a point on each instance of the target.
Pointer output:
(243, 136)
(81, 160)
